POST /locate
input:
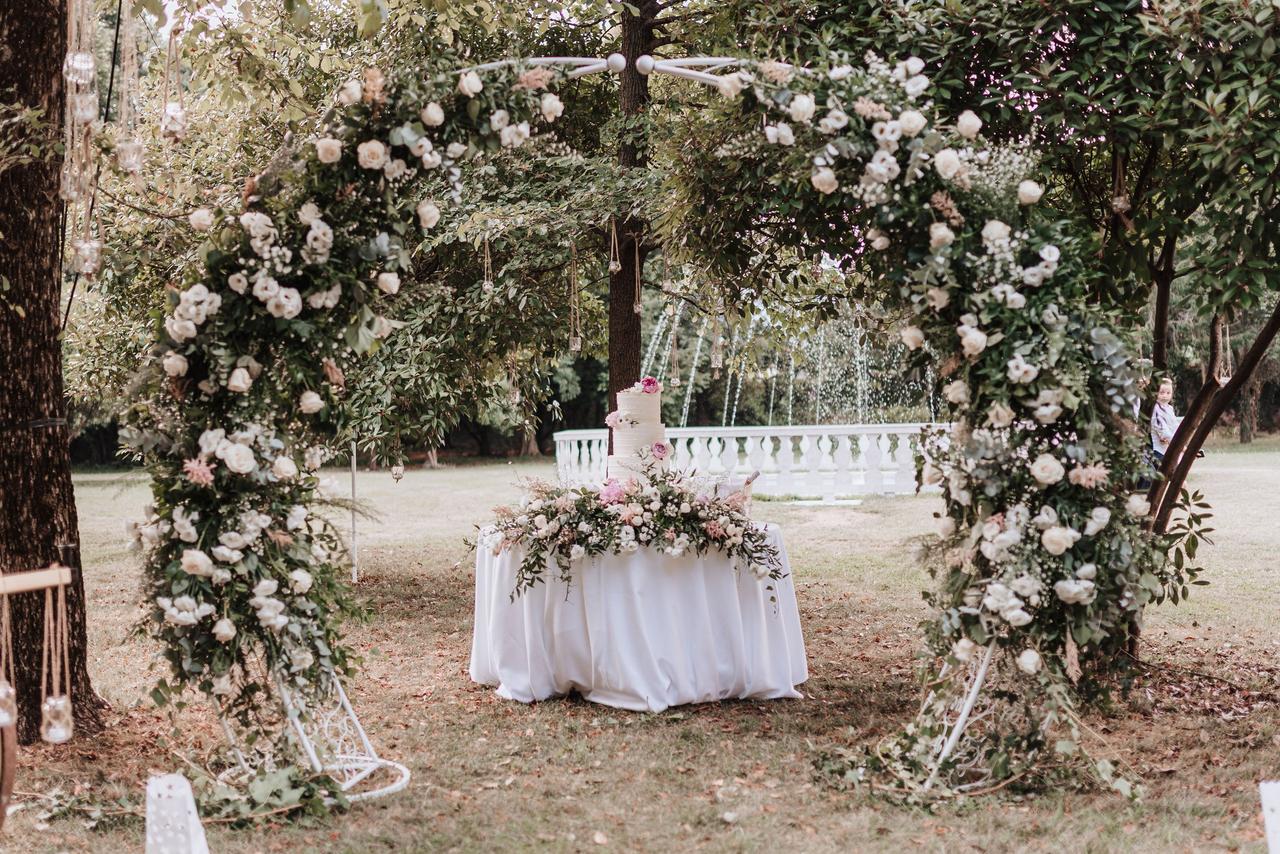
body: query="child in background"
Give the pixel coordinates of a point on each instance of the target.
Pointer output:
(1164, 422)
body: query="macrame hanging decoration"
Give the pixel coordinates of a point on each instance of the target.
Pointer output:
(78, 169)
(487, 285)
(575, 306)
(56, 724)
(717, 346)
(173, 120)
(673, 361)
(615, 256)
(130, 150)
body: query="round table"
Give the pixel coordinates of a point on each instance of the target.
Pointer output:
(640, 631)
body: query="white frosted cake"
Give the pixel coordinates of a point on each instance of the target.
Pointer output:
(639, 436)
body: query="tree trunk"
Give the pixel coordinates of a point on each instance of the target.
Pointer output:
(1249, 410)
(624, 322)
(37, 501)
(1163, 278)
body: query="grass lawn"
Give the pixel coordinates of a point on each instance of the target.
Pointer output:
(1202, 727)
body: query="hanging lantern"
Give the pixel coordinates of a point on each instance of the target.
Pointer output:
(69, 187)
(173, 122)
(575, 343)
(88, 257)
(129, 155)
(84, 106)
(56, 722)
(397, 472)
(79, 68)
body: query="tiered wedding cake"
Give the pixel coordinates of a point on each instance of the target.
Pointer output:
(639, 436)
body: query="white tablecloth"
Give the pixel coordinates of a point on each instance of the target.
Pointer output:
(642, 631)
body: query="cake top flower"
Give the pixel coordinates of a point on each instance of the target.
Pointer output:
(648, 385)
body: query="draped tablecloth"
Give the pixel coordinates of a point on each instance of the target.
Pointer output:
(640, 631)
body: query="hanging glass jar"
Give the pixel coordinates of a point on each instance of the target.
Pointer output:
(129, 155)
(88, 256)
(84, 107)
(79, 68)
(397, 472)
(56, 722)
(173, 123)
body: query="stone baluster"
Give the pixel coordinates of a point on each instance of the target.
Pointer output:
(813, 464)
(873, 460)
(729, 455)
(757, 457)
(842, 458)
(786, 465)
(904, 481)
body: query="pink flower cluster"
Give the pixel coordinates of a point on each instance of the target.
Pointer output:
(198, 472)
(612, 492)
(714, 530)
(649, 385)
(660, 450)
(612, 420)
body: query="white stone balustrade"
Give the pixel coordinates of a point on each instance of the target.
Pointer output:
(813, 461)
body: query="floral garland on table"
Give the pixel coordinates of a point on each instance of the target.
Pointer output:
(244, 577)
(661, 511)
(1042, 555)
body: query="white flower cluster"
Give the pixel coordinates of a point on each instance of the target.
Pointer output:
(270, 610)
(195, 305)
(184, 610)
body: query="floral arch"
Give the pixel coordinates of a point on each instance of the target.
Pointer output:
(1042, 559)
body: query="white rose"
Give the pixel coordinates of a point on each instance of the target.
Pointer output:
(1058, 539)
(1000, 415)
(201, 219)
(432, 115)
(940, 235)
(947, 162)
(1029, 192)
(470, 84)
(196, 562)
(957, 392)
(227, 555)
(371, 154)
(239, 381)
(266, 587)
(265, 287)
(310, 403)
(912, 336)
(972, 340)
(328, 150)
(1017, 617)
(879, 240)
(1075, 591)
(1137, 505)
(350, 93)
(833, 121)
(175, 364)
(1020, 371)
(499, 119)
(824, 180)
(300, 581)
(389, 283)
(995, 231)
(239, 458)
(1087, 571)
(455, 150)
(1099, 518)
(179, 330)
(287, 303)
(931, 474)
(224, 630)
(963, 650)
(428, 214)
(968, 124)
(284, 468)
(1046, 469)
(233, 539)
(1029, 662)
(780, 134)
(551, 106)
(238, 282)
(911, 122)
(802, 108)
(915, 86)
(937, 298)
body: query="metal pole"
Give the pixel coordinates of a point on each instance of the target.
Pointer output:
(355, 551)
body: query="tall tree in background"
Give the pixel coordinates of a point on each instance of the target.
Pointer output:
(37, 504)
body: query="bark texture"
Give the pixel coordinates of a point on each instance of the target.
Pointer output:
(624, 323)
(37, 502)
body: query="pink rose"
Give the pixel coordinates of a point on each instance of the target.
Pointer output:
(612, 492)
(660, 450)
(611, 420)
(649, 385)
(713, 529)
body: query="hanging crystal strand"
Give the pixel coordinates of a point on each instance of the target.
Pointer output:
(638, 305)
(615, 257)
(56, 722)
(717, 344)
(672, 320)
(487, 285)
(693, 370)
(79, 68)
(8, 697)
(129, 146)
(742, 369)
(575, 307)
(791, 391)
(817, 391)
(728, 387)
(651, 351)
(173, 119)
(673, 352)
(773, 384)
